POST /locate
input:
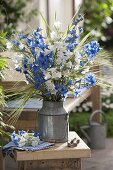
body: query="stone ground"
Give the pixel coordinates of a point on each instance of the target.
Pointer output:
(100, 159)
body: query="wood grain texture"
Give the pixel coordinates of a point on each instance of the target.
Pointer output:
(64, 164)
(96, 102)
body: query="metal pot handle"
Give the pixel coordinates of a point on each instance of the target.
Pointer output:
(96, 112)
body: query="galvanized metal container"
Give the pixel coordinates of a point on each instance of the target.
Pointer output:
(98, 131)
(98, 135)
(53, 122)
(95, 132)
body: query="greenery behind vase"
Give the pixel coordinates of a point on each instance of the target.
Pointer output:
(99, 16)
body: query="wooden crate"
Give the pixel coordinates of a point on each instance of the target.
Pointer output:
(28, 120)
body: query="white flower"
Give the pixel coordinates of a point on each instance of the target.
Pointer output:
(50, 85)
(108, 20)
(76, 67)
(25, 135)
(57, 24)
(15, 60)
(89, 104)
(21, 46)
(47, 75)
(56, 75)
(22, 142)
(60, 45)
(79, 109)
(108, 101)
(66, 73)
(85, 71)
(35, 141)
(17, 65)
(53, 35)
(9, 45)
(18, 58)
(74, 110)
(111, 105)
(59, 60)
(86, 109)
(84, 105)
(47, 51)
(77, 59)
(69, 64)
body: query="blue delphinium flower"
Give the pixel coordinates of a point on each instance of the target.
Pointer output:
(16, 42)
(79, 91)
(21, 132)
(36, 134)
(37, 40)
(79, 19)
(38, 79)
(18, 69)
(90, 80)
(45, 61)
(15, 138)
(61, 88)
(71, 40)
(80, 30)
(23, 36)
(91, 49)
(48, 94)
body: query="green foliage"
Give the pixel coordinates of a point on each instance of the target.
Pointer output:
(80, 119)
(12, 11)
(109, 117)
(3, 64)
(98, 16)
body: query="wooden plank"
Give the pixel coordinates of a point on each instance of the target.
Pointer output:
(10, 84)
(28, 115)
(71, 102)
(60, 151)
(26, 124)
(64, 164)
(96, 102)
(96, 98)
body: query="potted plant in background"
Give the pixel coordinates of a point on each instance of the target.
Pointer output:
(55, 63)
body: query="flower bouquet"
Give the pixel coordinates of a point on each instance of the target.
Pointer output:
(23, 138)
(55, 63)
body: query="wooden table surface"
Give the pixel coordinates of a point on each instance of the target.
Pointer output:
(60, 151)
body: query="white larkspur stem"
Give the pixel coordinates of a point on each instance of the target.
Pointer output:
(9, 45)
(57, 24)
(50, 85)
(21, 46)
(53, 35)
